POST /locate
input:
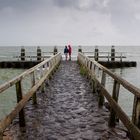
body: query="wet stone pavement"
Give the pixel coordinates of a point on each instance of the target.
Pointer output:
(67, 110)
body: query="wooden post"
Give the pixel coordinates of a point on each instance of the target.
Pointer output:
(19, 97)
(115, 96)
(55, 51)
(22, 54)
(94, 85)
(136, 112)
(80, 49)
(113, 53)
(101, 97)
(90, 65)
(121, 58)
(1, 135)
(43, 85)
(96, 55)
(33, 83)
(38, 54)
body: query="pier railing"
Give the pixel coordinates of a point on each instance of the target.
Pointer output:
(109, 56)
(45, 69)
(30, 56)
(116, 111)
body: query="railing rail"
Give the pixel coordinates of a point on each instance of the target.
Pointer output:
(116, 111)
(108, 55)
(45, 68)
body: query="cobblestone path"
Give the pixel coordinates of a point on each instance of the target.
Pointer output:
(67, 110)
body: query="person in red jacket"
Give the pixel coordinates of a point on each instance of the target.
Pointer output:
(70, 50)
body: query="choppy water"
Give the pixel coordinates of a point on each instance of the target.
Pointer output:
(8, 99)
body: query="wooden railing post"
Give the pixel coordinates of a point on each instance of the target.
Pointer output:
(55, 51)
(19, 97)
(121, 58)
(136, 112)
(115, 95)
(38, 53)
(80, 49)
(90, 65)
(96, 55)
(101, 97)
(33, 83)
(113, 53)
(22, 54)
(43, 84)
(94, 84)
(1, 136)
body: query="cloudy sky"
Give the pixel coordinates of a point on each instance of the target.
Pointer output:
(79, 22)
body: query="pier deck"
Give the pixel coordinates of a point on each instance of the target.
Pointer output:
(67, 110)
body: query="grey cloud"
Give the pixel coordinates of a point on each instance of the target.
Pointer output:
(83, 5)
(65, 3)
(59, 20)
(25, 5)
(29, 5)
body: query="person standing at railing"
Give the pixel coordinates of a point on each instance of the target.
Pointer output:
(66, 51)
(70, 50)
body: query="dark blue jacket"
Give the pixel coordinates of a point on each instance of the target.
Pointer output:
(66, 50)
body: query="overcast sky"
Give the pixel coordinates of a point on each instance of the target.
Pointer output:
(79, 22)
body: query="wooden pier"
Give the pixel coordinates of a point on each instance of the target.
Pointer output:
(110, 59)
(23, 60)
(90, 68)
(18, 64)
(29, 64)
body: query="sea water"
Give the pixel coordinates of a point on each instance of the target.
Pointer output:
(131, 74)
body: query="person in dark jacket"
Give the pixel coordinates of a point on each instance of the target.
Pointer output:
(66, 51)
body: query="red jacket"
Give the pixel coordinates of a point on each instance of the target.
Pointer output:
(70, 49)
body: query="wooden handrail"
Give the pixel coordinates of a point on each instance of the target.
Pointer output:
(24, 74)
(54, 61)
(116, 111)
(123, 82)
